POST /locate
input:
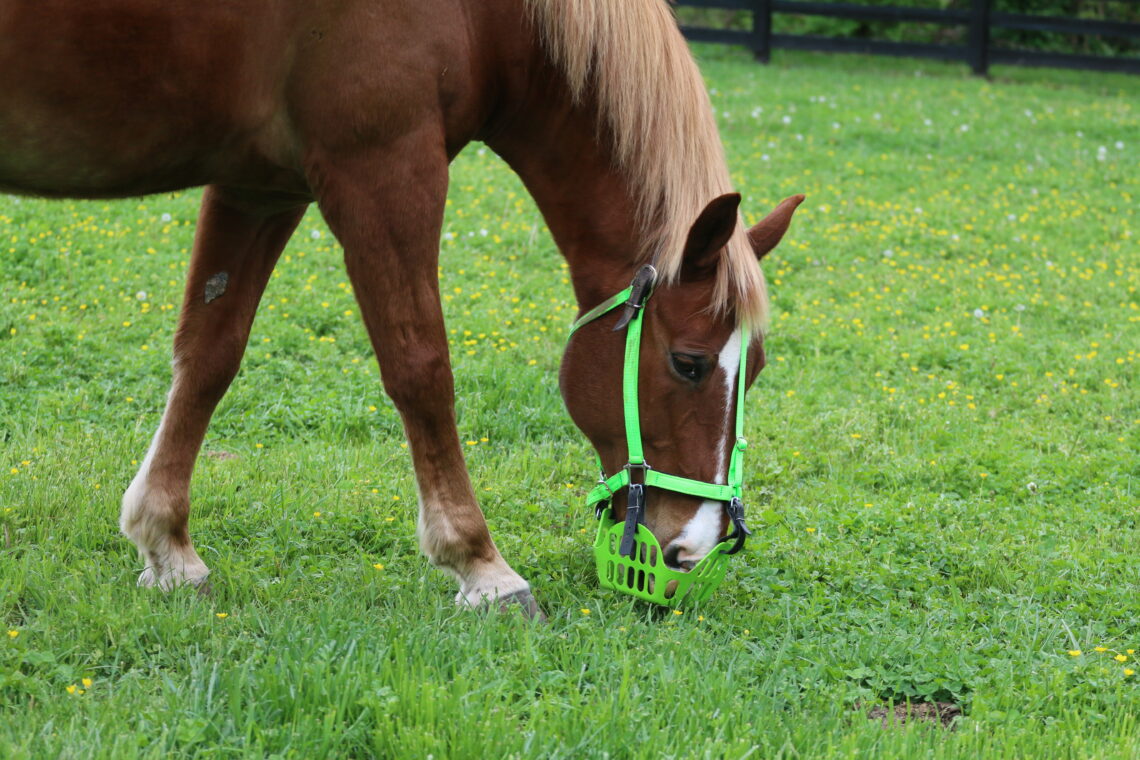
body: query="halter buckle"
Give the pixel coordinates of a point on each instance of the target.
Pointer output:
(634, 509)
(640, 289)
(740, 532)
(601, 507)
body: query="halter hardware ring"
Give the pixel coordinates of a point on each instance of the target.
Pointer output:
(643, 466)
(603, 504)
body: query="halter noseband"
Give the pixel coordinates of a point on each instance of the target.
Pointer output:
(633, 299)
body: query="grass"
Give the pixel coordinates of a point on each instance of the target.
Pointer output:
(943, 480)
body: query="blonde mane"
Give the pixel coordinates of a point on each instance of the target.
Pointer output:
(630, 56)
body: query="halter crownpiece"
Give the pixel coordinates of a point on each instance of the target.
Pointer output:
(639, 292)
(628, 556)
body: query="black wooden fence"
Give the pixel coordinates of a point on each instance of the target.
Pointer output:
(979, 22)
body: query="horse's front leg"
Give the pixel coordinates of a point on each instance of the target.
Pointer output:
(236, 246)
(386, 209)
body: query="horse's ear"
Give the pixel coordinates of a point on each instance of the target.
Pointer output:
(708, 235)
(765, 235)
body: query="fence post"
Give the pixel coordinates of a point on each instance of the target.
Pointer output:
(762, 30)
(978, 54)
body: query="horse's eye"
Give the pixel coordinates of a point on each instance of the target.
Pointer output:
(691, 368)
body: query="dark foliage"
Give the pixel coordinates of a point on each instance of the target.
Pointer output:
(1112, 11)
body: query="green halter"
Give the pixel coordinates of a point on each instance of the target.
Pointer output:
(628, 556)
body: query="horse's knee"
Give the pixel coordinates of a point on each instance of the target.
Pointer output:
(418, 378)
(206, 371)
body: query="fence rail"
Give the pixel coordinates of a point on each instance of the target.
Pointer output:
(979, 22)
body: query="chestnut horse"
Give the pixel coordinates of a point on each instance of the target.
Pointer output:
(360, 105)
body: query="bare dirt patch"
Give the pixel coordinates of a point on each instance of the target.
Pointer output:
(944, 714)
(220, 456)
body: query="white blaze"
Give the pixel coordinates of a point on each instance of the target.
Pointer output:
(702, 533)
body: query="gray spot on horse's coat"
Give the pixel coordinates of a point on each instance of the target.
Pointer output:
(216, 286)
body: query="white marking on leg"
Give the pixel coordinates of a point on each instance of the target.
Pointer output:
(145, 519)
(702, 532)
(132, 517)
(170, 565)
(479, 581)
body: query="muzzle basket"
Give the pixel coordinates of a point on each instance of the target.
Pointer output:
(644, 573)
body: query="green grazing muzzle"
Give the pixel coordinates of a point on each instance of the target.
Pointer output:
(628, 555)
(643, 572)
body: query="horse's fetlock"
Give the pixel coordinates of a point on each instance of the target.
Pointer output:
(150, 517)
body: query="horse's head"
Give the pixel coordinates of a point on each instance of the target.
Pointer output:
(687, 370)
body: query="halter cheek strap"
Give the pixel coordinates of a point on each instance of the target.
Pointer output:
(634, 299)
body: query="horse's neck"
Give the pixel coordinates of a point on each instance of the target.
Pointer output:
(587, 203)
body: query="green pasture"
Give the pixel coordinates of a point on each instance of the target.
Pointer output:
(943, 479)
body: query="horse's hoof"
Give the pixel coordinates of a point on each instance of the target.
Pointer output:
(523, 600)
(169, 581)
(147, 578)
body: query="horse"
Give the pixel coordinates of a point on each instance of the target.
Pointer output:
(359, 106)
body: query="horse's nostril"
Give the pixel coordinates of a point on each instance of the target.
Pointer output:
(672, 558)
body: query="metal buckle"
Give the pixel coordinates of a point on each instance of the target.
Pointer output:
(643, 466)
(641, 287)
(634, 507)
(601, 507)
(740, 532)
